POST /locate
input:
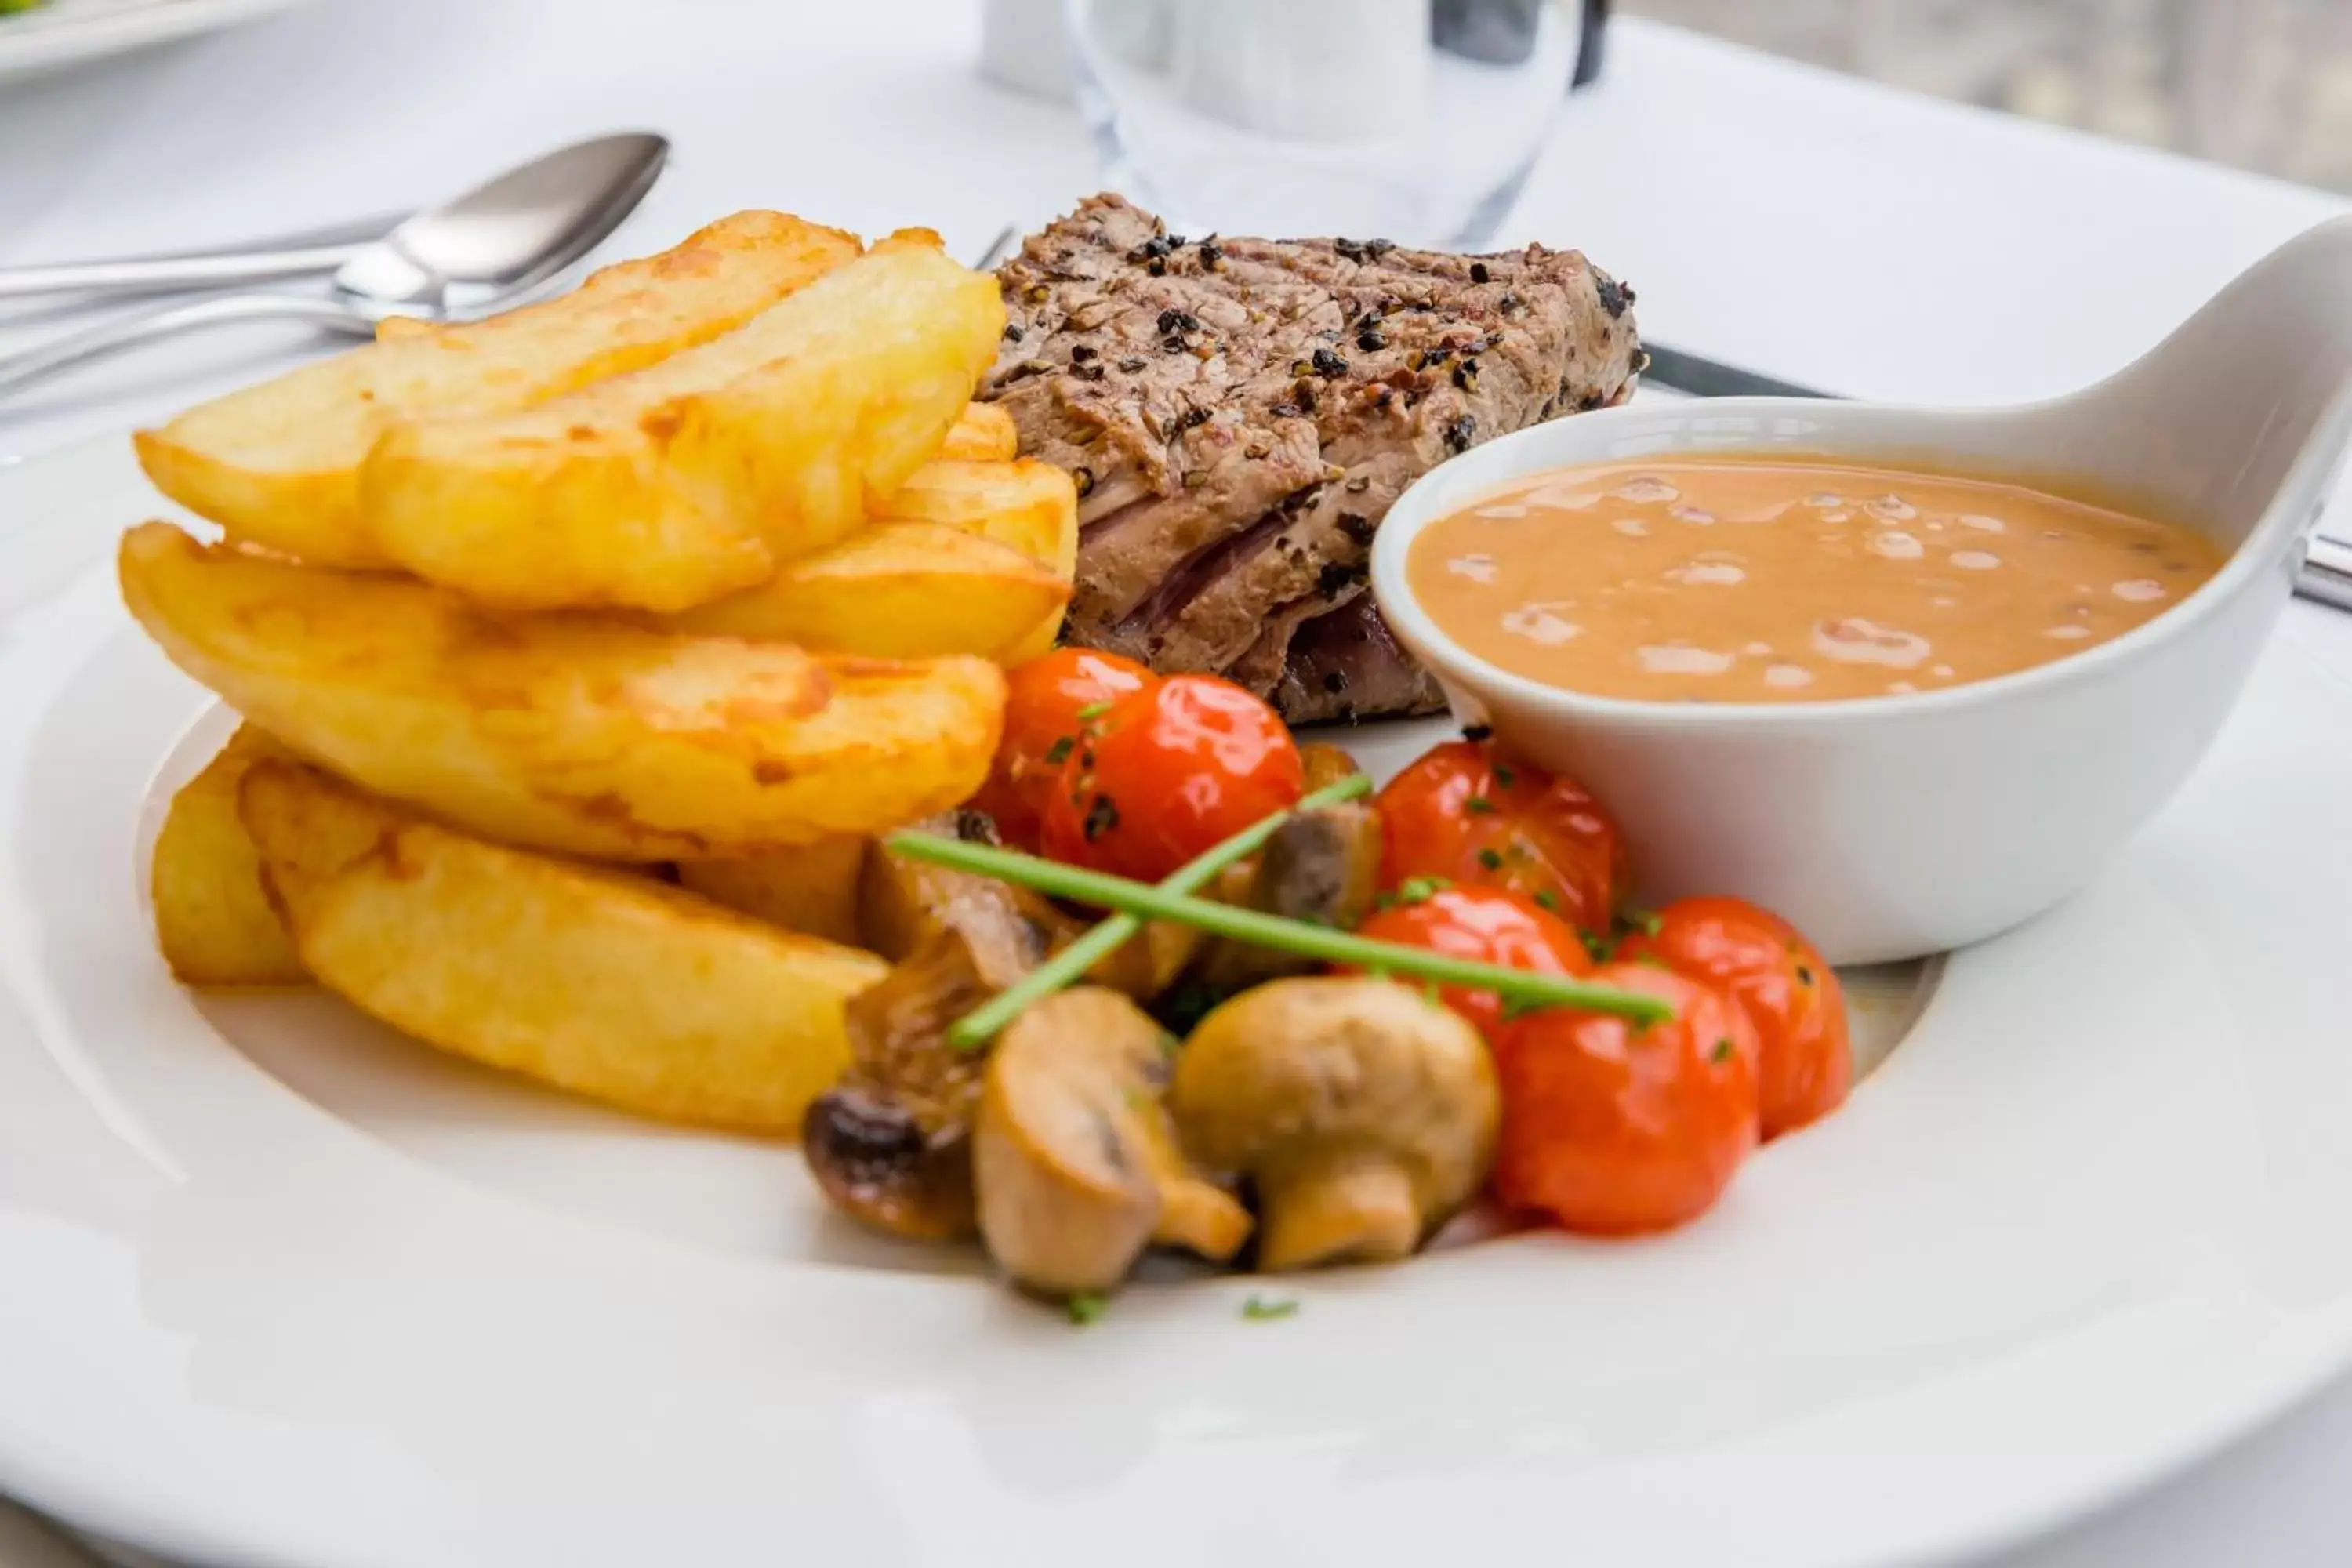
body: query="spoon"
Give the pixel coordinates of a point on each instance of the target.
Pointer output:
(462, 259)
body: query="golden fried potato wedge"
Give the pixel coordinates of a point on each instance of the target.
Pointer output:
(571, 733)
(811, 890)
(213, 920)
(694, 477)
(604, 984)
(277, 464)
(985, 434)
(900, 590)
(1029, 505)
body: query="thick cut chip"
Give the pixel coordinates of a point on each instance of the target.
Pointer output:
(900, 590)
(212, 920)
(985, 434)
(1028, 505)
(604, 984)
(813, 889)
(695, 478)
(277, 464)
(572, 733)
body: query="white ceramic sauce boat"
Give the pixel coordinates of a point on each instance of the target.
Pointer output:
(1895, 827)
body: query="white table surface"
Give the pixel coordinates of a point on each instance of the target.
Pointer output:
(1822, 229)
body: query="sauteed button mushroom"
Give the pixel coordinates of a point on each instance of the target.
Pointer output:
(1365, 1113)
(1074, 1165)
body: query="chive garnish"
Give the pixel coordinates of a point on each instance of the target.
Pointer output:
(1258, 1310)
(1087, 1305)
(1165, 903)
(985, 1023)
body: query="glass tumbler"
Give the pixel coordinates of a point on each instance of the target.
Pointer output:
(1414, 120)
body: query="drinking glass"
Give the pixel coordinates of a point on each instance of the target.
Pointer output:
(1416, 120)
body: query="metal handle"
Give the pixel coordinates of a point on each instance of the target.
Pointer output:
(148, 274)
(2327, 575)
(21, 370)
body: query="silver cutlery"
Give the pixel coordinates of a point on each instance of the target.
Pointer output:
(224, 268)
(462, 259)
(2325, 576)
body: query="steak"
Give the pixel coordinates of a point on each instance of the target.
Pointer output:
(1240, 413)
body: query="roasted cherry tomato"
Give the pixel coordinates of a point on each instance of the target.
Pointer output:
(1487, 926)
(1616, 1128)
(1465, 813)
(1044, 701)
(1775, 976)
(1167, 772)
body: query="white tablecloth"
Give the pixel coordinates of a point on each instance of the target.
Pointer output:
(1824, 230)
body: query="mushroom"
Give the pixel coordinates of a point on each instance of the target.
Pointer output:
(902, 903)
(1322, 866)
(1074, 1164)
(1364, 1112)
(888, 1144)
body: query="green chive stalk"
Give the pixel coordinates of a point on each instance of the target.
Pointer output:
(1519, 987)
(985, 1023)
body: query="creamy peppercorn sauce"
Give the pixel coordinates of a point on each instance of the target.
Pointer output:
(1761, 579)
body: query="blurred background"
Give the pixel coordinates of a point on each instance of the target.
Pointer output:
(2260, 84)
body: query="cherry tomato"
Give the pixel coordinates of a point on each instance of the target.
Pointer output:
(1042, 703)
(1167, 772)
(1777, 978)
(1488, 926)
(1618, 1127)
(1467, 814)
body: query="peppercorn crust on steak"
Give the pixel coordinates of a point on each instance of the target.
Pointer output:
(1240, 413)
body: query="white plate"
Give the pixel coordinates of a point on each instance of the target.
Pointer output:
(68, 32)
(279, 1286)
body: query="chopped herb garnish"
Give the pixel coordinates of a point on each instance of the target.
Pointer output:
(1722, 1052)
(1092, 711)
(1548, 899)
(1503, 777)
(1087, 1305)
(1479, 806)
(1258, 1310)
(1420, 890)
(1598, 946)
(1647, 923)
(1101, 817)
(1173, 900)
(1490, 860)
(1804, 975)
(1059, 751)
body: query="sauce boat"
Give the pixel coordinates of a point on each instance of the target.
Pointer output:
(1891, 827)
